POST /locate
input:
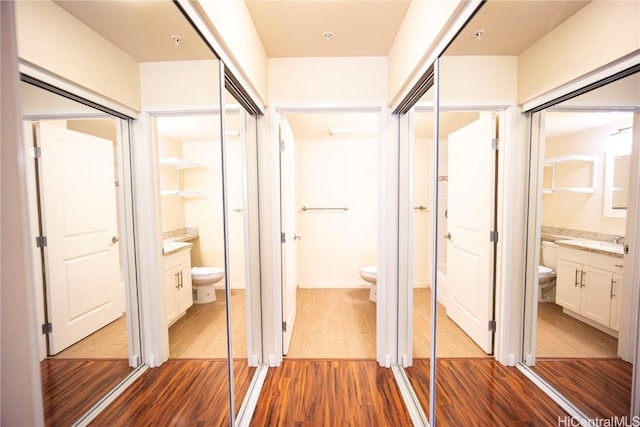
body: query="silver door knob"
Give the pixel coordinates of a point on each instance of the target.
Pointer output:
(114, 240)
(296, 237)
(447, 236)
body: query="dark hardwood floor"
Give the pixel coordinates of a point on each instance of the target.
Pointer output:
(601, 388)
(304, 392)
(70, 387)
(482, 392)
(179, 393)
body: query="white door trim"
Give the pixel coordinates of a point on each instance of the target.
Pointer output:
(386, 331)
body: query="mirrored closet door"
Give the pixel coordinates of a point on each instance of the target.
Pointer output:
(582, 337)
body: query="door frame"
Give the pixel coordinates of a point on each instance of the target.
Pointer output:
(386, 308)
(125, 219)
(506, 260)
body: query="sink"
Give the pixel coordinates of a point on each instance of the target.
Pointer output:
(596, 245)
(173, 246)
(607, 246)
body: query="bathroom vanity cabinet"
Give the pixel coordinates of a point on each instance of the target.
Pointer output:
(588, 286)
(177, 283)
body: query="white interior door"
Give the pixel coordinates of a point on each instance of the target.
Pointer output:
(288, 226)
(79, 219)
(470, 249)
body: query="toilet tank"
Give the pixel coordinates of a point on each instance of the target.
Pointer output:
(549, 254)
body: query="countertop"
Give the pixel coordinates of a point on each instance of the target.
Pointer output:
(178, 240)
(171, 247)
(596, 246)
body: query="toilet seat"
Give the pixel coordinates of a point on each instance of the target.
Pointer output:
(544, 271)
(206, 273)
(372, 269)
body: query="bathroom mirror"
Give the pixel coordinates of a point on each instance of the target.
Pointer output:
(616, 178)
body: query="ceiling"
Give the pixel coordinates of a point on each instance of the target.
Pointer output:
(295, 28)
(141, 28)
(510, 27)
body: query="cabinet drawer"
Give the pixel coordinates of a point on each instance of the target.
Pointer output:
(594, 259)
(176, 258)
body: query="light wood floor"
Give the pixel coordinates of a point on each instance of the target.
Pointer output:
(560, 335)
(341, 323)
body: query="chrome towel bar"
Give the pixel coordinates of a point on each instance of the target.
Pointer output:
(304, 208)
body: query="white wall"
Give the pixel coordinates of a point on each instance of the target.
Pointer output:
(422, 219)
(334, 245)
(206, 212)
(579, 211)
(323, 82)
(52, 39)
(598, 34)
(172, 207)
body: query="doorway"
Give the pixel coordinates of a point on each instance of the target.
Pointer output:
(465, 203)
(329, 186)
(80, 216)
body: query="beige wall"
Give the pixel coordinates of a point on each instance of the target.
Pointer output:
(598, 34)
(357, 81)
(47, 35)
(177, 85)
(334, 245)
(420, 28)
(172, 206)
(233, 23)
(580, 211)
(479, 80)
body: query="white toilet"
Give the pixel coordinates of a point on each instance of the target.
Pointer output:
(202, 281)
(547, 272)
(370, 274)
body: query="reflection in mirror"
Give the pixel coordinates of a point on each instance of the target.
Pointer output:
(616, 173)
(329, 203)
(83, 290)
(169, 77)
(580, 292)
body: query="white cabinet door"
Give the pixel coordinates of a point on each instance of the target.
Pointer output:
(596, 294)
(185, 293)
(568, 290)
(171, 287)
(616, 287)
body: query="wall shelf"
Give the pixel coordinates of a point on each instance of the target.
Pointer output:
(179, 164)
(554, 161)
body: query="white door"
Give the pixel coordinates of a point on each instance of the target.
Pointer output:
(288, 226)
(470, 249)
(79, 220)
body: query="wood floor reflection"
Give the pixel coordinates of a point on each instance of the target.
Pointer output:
(70, 387)
(601, 388)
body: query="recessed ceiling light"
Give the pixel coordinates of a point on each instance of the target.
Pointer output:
(327, 35)
(337, 131)
(478, 34)
(177, 40)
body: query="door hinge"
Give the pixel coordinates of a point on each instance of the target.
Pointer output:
(41, 241)
(495, 144)
(281, 145)
(47, 328)
(625, 249)
(492, 325)
(35, 152)
(493, 236)
(284, 326)
(283, 238)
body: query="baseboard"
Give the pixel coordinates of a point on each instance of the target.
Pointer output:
(334, 285)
